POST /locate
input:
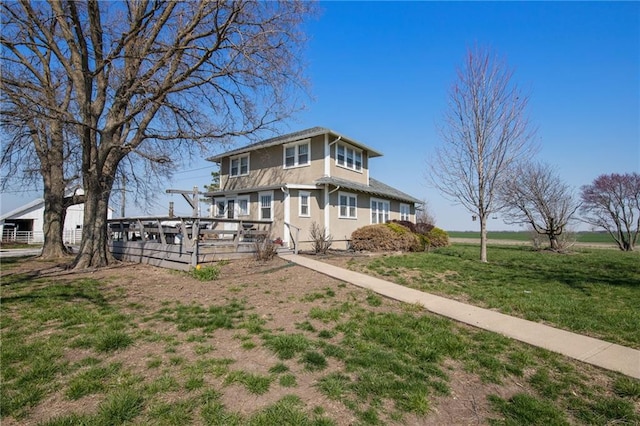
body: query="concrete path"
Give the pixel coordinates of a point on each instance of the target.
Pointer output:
(20, 252)
(586, 349)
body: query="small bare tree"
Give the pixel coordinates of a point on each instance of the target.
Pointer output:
(320, 239)
(485, 131)
(535, 195)
(612, 202)
(424, 214)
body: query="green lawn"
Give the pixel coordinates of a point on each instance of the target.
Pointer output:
(590, 291)
(78, 342)
(581, 237)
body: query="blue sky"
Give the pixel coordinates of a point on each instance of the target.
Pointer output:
(380, 72)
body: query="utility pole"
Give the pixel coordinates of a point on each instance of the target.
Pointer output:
(123, 192)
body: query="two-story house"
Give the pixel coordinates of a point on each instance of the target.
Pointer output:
(314, 175)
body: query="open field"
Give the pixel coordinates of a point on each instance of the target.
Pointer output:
(269, 343)
(580, 237)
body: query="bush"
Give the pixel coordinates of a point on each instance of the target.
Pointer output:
(399, 236)
(384, 237)
(436, 237)
(416, 228)
(266, 249)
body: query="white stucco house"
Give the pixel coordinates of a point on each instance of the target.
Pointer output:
(25, 224)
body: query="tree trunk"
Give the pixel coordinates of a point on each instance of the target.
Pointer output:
(53, 227)
(553, 241)
(94, 252)
(483, 238)
(55, 209)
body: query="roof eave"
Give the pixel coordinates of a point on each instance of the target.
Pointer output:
(298, 136)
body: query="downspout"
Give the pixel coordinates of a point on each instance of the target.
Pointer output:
(327, 173)
(327, 154)
(327, 221)
(287, 215)
(327, 207)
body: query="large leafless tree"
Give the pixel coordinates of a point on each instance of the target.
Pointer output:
(612, 202)
(535, 195)
(40, 149)
(149, 81)
(484, 131)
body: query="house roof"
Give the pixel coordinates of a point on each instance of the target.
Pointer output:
(375, 187)
(292, 137)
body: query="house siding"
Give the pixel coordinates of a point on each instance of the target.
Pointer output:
(348, 174)
(266, 172)
(266, 168)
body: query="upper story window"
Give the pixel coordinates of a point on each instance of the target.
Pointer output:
(349, 157)
(296, 155)
(239, 166)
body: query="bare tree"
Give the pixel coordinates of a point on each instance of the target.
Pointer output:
(38, 147)
(612, 202)
(485, 131)
(535, 195)
(151, 82)
(424, 214)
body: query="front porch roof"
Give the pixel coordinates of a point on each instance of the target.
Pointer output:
(375, 187)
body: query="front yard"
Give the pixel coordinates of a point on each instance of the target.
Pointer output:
(270, 343)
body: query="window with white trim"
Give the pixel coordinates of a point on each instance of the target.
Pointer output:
(379, 211)
(243, 206)
(348, 157)
(405, 212)
(304, 209)
(296, 155)
(239, 166)
(220, 206)
(348, 205)
(266, 205)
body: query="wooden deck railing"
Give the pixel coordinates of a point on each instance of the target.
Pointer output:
(184, 242)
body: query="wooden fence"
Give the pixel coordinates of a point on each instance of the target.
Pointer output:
(183, 243)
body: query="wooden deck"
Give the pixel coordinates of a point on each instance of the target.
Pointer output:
(183, 243)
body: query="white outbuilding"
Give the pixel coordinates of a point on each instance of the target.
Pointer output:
(26, 223)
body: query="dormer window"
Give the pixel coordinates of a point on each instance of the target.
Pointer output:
(296, 155)
(348, 157)
(239, 166)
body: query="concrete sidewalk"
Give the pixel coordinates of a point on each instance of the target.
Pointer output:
(586, 349)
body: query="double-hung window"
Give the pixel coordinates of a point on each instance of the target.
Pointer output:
(348, 157)
(379, 211)
(266, 205)
(303, 200)
(296, 155)
(239, 166)
(243, 206)
(348, 206)
(405, 212)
